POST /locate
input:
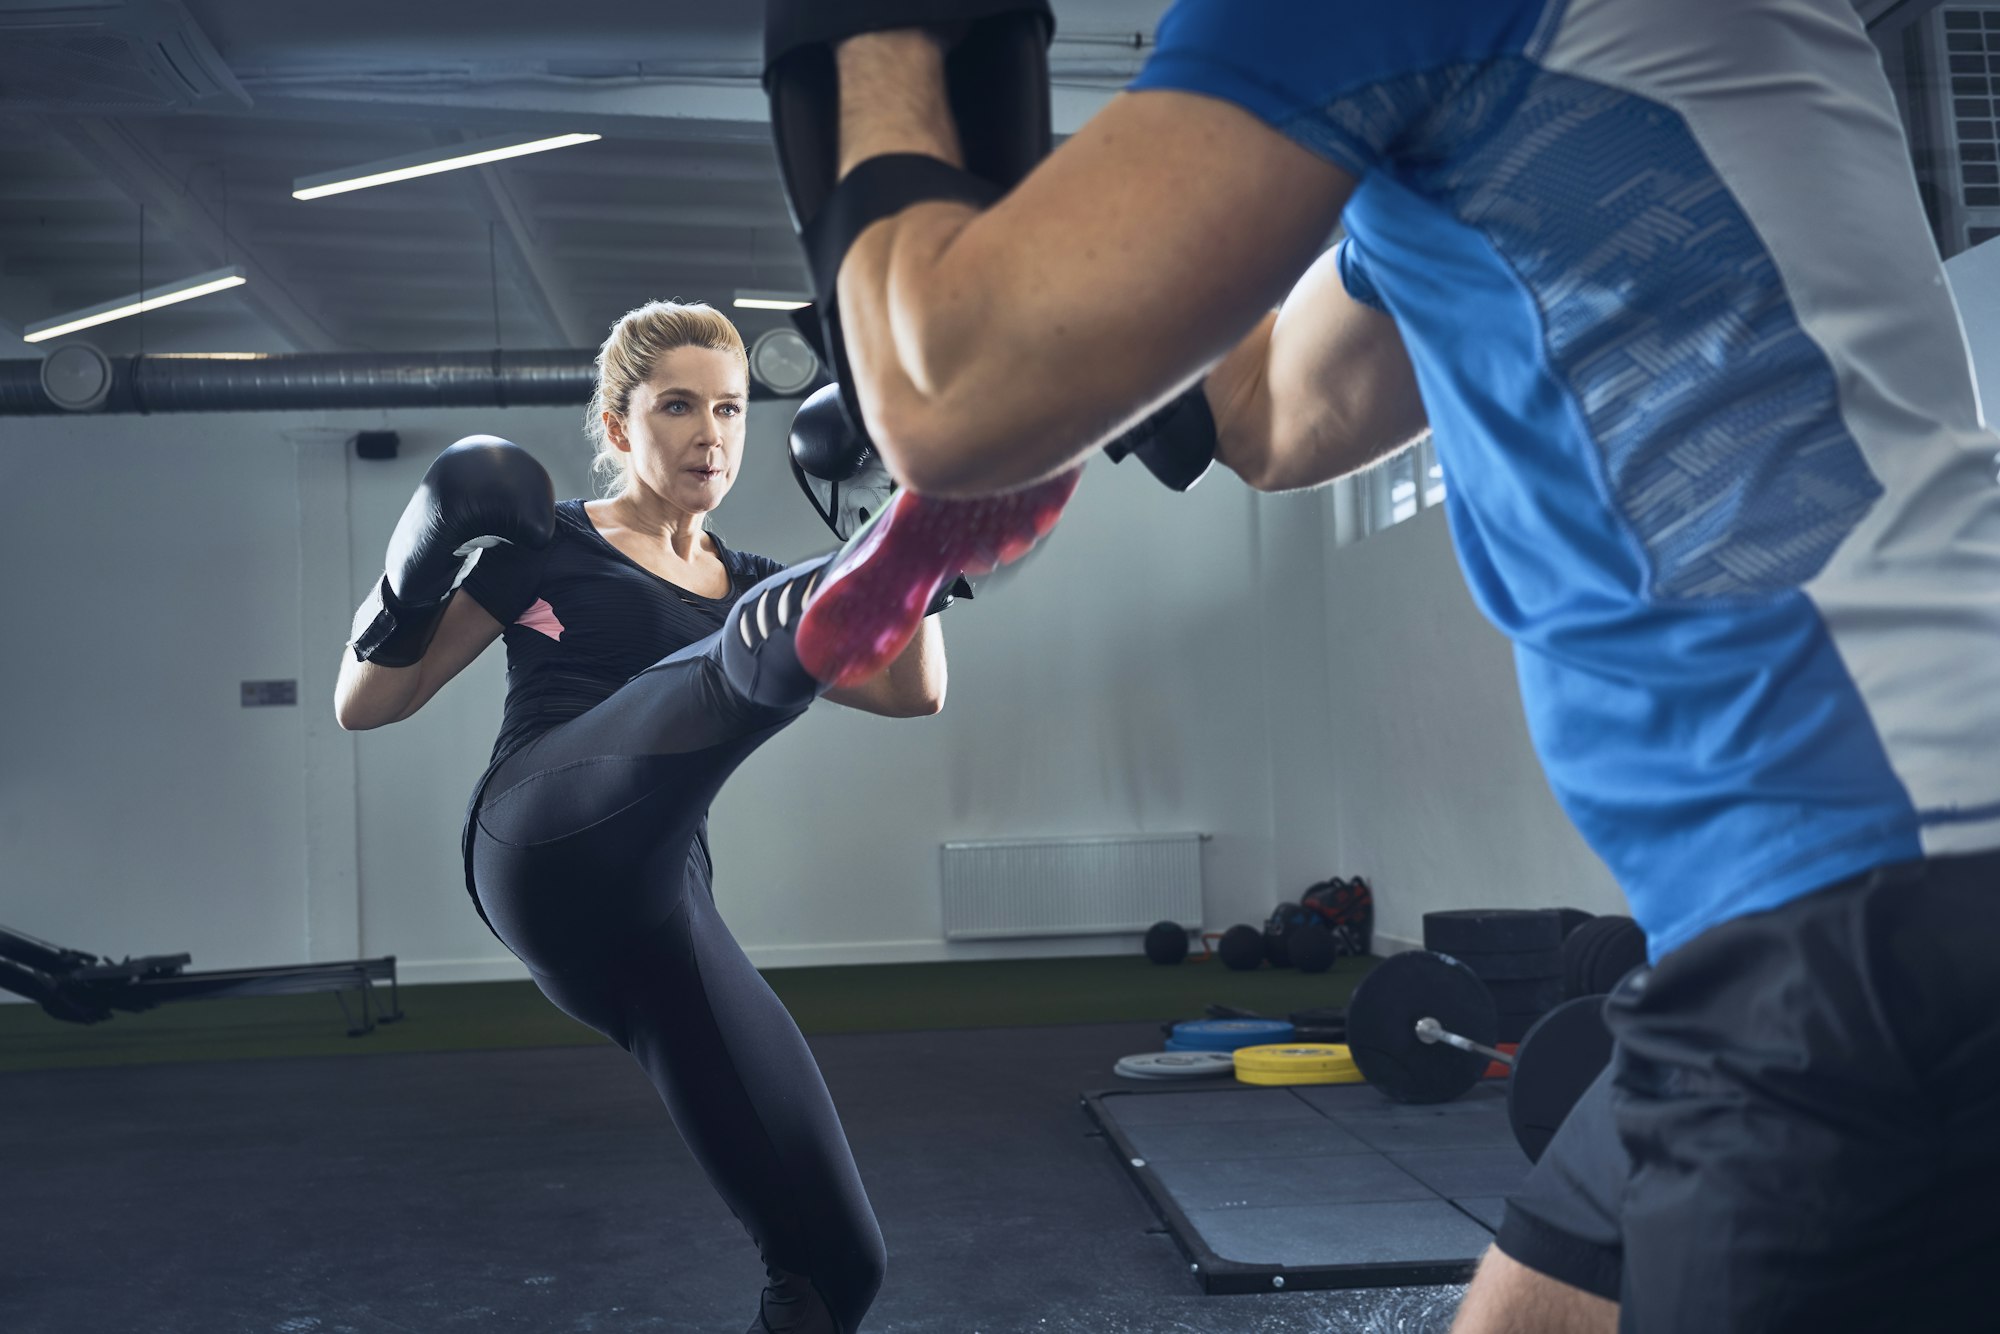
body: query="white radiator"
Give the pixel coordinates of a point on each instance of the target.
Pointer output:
(1115, 884)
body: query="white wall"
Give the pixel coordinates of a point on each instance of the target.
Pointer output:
(150, 567)
(1440, 800)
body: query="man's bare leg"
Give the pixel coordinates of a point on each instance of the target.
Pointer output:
(1507, 1297)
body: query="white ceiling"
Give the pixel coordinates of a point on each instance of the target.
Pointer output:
(680, 198)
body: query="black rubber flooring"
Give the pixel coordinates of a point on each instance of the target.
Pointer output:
(545, 1190)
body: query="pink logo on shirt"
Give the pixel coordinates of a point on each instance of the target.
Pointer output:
(542, 617)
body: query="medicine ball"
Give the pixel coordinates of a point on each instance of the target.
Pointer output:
(1166, 942)
(1310, 948)
(1242, 948)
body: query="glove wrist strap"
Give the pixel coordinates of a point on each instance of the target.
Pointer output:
(1176, 443)
(878, 188)
(389, 633)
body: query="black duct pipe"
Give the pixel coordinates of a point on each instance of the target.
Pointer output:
(308, 380)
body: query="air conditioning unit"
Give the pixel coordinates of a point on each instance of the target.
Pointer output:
(99, 58)
(1962, 51)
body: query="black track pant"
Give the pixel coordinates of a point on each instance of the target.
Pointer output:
(590, 860)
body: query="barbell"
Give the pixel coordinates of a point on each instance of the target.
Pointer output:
(1422, 1027)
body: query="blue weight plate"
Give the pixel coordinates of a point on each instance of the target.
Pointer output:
(1227, 1034)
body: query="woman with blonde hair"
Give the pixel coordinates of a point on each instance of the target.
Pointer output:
(645, 660)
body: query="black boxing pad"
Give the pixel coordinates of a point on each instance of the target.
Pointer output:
(996, 76)
(997, 84)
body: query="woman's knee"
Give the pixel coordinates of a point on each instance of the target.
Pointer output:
(1507, 1297)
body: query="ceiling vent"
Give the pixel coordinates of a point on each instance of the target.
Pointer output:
(93, 58)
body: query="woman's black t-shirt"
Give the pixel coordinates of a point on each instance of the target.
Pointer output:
(581, 619)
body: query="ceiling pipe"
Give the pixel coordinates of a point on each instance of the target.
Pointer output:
(282, 382)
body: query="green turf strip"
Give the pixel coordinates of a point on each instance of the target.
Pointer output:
(865, 998)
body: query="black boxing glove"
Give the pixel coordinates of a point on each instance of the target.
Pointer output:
(479, 493)
(824, 444)
(1177, 442)
(997, 80)
(839, 471)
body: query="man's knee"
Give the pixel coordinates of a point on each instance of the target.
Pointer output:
(1507, 1297)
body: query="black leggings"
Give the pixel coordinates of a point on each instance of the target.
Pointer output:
(591, 862)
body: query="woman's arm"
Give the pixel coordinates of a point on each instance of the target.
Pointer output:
(368, 696)
(911, 686)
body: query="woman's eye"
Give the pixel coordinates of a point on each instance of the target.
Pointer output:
(733, 409)
(675, 405)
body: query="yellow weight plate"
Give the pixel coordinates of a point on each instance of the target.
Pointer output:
(1295, 1056)
(1296, 1063)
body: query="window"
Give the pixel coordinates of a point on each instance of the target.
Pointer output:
(1396, 489)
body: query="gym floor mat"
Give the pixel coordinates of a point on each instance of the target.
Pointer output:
(1328, 1186)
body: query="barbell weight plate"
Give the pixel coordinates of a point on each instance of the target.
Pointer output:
(1566, 1049)
(1572, 918)
(1529, 995)
(1604, 945)
(1515, 966)
(1382, 1026)
(1227, 1034)
(1322, 1016)
(1618, 952)
(1492, 930)
(1322, 1024)
(1175, 1065)
(1297, 1063)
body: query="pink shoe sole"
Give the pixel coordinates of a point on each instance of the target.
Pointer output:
(868, 608)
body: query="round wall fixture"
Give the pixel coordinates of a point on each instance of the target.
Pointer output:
(783, 362)
(77, 377)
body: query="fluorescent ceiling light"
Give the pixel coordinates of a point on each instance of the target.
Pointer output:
(474, 153)
(749, 299)
(187, 289)
(213, 356)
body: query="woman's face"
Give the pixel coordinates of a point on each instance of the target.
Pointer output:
(684, 427)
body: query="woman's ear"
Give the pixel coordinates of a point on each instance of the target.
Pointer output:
(614, 431)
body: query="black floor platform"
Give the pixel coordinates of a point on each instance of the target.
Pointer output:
(545, 1190)
(1329, 1186)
